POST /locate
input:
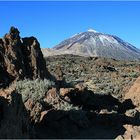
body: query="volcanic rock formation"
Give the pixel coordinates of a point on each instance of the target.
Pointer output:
(20, 58)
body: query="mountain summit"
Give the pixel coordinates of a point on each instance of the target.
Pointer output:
(93, 43)
(92, 30)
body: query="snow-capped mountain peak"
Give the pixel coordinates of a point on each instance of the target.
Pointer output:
(92, 30)
(92, 43)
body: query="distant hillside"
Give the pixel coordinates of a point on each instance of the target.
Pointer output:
(92, 43)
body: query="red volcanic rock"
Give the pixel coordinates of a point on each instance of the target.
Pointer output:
(132, 132)
(20, 58)
(29, 104)
(65, 91)
(134, 92)
(12, 55)
(35, 64)
(52, 92)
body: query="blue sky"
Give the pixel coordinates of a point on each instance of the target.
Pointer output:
(53, 21)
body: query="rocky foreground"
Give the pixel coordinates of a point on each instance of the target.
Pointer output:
(70, 97)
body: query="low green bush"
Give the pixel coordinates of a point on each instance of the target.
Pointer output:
(34, 89)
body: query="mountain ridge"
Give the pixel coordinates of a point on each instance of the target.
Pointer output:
(93, 43)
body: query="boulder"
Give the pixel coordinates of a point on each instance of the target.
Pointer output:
(132, 132)
(65, 91)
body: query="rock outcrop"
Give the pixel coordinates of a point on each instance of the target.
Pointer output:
(133, 131)
(14, 119)
(134, 92)
(20, 58)
(35, 64)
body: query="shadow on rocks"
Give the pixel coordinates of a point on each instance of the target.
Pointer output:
(14, 119)
(88, 100)
(87, 122)
(82, 124)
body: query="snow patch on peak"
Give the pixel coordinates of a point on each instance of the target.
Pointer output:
(91, 30)
(110, 39)
(75, 35)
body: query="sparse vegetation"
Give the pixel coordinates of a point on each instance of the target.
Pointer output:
(97, 71)
(37, 90)
(65, 106)
(34, 89)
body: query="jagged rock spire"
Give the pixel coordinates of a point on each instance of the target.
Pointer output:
(20, 58)
(14, 32)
